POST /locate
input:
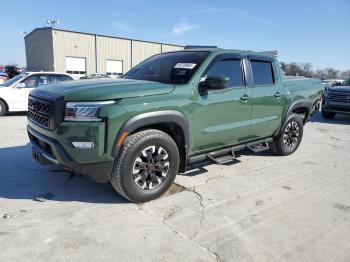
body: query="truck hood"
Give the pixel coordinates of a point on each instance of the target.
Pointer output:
(105, 89)
(341, 89)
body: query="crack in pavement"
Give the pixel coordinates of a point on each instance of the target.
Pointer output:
(183, 236)
(200, 199)
(207, 250)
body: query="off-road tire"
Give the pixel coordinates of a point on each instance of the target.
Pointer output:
(328, 114)
(122, 177)
(2, 108)
(279, 146)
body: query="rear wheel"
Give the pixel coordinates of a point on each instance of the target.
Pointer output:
(328, 115)
(289, 138)
(146, 166)
(2, 108)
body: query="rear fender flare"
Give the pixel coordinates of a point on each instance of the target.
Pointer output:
(302, 103)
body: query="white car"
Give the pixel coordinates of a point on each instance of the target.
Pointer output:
(3, 77)
(14, 92)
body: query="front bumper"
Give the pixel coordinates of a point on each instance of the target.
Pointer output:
(47, 150)
(338, 107)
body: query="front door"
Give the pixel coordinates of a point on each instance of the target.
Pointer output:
(222, 117)
(268, 97)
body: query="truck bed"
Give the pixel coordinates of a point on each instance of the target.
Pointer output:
(303, 88)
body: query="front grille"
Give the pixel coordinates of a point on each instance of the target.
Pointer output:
(39, 112)
(339, 97)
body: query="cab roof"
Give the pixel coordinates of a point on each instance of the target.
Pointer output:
(223, 50)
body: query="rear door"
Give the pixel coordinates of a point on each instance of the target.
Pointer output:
(222, 117)
(268, 97)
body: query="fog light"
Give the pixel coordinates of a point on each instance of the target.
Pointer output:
(84, 145)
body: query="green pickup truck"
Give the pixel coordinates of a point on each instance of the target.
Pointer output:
(169, 111)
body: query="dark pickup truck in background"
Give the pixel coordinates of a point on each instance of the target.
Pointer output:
(336, 99)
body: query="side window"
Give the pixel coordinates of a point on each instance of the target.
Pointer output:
(59, 78)
(230, 68)
(42, 80)
(262, 72)
(30, 82)
(64, 78)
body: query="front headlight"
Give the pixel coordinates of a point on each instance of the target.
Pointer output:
(84, 111)
(326, 93)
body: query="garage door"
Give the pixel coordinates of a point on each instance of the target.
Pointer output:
(76, 65)
(114, 68)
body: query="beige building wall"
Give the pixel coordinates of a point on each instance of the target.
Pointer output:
(48, 48)
(170, 48)
(142, 50)
(39, 51)
(113, 49)
(74, 45)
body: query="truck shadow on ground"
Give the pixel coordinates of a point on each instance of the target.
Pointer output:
(24, 113)
(199, 168)
(22, 178)
(339, 119)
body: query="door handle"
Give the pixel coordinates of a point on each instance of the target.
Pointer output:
(277, 95)
(245, 98)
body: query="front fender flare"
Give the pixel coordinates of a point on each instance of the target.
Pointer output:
(151, 118)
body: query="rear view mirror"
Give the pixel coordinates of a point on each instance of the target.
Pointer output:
(213, 83)
(20, 85)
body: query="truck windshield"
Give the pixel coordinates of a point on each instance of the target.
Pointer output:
(169, 68)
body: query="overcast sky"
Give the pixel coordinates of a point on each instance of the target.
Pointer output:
(302, 31)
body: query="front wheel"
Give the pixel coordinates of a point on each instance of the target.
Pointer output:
(289, 138)
(146, 166)
(328, 115)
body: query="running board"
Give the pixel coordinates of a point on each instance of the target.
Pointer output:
(221, 157)
(258, 148)
(228, 154)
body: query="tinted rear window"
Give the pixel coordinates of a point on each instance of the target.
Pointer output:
(262, 72)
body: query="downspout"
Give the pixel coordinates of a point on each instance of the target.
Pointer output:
(96, 63)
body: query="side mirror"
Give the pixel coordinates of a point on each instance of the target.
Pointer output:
(213, 83)
(20, 85)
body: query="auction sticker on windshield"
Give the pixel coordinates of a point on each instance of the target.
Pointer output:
(185, 65)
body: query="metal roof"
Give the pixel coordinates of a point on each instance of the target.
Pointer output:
(85, 33)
